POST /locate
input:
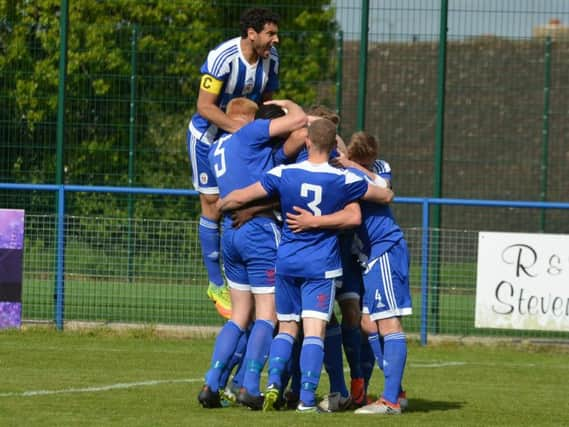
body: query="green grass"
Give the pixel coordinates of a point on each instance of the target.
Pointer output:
(104, 378)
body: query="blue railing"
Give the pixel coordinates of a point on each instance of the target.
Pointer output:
(425, 202)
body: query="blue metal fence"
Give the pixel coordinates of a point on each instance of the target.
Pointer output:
(425, 240)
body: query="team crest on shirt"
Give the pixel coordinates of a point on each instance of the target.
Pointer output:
(203, 178)
(249, 85)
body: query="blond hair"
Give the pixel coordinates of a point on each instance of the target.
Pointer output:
(241, 107)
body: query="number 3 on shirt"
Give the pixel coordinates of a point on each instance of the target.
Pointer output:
(316, 191)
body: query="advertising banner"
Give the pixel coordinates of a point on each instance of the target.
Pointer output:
(11, 255)
(522, 281)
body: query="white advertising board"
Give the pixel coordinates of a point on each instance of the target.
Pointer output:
(522, 281)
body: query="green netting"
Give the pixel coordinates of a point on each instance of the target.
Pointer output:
(131, 86)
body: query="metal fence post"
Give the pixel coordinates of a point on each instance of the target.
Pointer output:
(131, 144)
(60, 260)
(362, 79)
(439, 143)
(60, 136)
(545, 130)
(425, 273)
(339, 73)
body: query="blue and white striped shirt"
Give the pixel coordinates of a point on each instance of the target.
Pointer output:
(240, 79)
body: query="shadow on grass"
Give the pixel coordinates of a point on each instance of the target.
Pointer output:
(424, 405)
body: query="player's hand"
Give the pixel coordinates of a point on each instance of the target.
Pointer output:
(285, 104)
(301, 221)
(341, 161)
(241, 216)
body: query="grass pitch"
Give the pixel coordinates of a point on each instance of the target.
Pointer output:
(136, 378)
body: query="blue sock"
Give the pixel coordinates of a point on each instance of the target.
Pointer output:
(367, 359)
(352, 340)
(394, 359)
(376, 343)
(234, 361)
(224, 348)
(208, 231)
(257, 353)
(237, 380)
(333, 361)
(311, 359)
(292, 371)
(279, 356)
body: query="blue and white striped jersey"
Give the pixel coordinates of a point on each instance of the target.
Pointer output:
(240, 79)
(382, 168)
(321, 189)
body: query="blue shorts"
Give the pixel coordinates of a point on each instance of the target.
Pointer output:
(386, 284)
(350, 285)
(249, 255)
(203, 177)
(297, 298)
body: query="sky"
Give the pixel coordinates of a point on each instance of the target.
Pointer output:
(419, 19)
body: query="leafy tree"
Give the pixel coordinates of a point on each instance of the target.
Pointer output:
(167, 40)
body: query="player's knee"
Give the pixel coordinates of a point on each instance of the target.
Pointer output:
(368, 326)
(390, 326)
(208, 206)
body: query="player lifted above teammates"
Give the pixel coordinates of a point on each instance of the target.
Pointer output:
(249, 252)
(245, 66)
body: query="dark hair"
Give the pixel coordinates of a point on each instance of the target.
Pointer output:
(256, 18)
(269, 111)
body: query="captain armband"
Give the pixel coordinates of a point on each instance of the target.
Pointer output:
(210, 84)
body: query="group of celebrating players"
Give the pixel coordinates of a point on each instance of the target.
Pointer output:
(305, 222)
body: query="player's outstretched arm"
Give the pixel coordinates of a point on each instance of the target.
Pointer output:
(378, 194)
(295, 142)
(241, 216)
(348, 217)
(207, 106)
(238, 198)
(342, 161)
(295, 118)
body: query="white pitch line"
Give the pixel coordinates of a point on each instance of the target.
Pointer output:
(97, 389)
(436, 364)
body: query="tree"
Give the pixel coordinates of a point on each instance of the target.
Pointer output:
(168, 41)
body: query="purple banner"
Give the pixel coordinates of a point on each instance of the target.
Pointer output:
(11, 254)
(10, 315)
(11, 229)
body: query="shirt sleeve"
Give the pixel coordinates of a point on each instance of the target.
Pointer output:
(355, 186)
(215, 65)
(382, 168)
(270, 180)
(256, 133)
(279, 156)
